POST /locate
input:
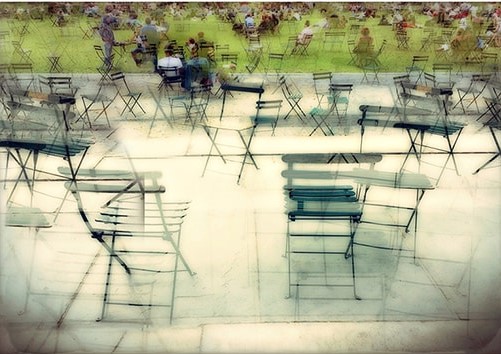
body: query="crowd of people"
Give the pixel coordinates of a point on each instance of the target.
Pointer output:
(149, 30)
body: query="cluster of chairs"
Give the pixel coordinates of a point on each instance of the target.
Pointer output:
(38, 133)
(325, 205)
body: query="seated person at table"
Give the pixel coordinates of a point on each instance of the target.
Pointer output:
(197, 70)
(170, 61)
(137, 53)
(206, 49)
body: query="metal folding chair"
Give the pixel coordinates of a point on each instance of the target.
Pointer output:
(339, 99)
(301, 48)
(245, 134)
(316, 195)
(293, 96)
(402, 39)
(443, 75)
(24, 55)
(99, 98)
(370, 66)
(130, 98)
(274, 64)
(133, 215)
(417, 66)
(194, 104)
(254, 61)
(427, 40)
(321, 118)
(228, 59)
(399, 91)
(472, 93)
(104, 69)
(333, 39)
(492, 111)
(321, 83)
(22, 74)
(171, 80)
(351, 43)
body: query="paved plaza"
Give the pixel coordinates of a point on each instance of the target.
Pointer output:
(443, 298)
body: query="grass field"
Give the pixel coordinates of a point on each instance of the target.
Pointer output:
(77, 53)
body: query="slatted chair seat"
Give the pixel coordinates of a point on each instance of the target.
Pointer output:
(433, 127)
(336, 210)
(331, 158)
(26, 217)
(112, 188)
(40, 112)
(48, 145)
(324, 193)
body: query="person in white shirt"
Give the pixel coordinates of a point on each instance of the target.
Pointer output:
(170, 61)
(305, 33)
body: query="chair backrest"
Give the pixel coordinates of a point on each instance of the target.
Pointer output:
(58, 84)
(17, 68)
(229, 57)
(430, 79)
(222, 47)
(171, 78)
(169, 73)
(340, 88)
(419, 59)
(398, 80)
(117, 77)
(322, 82)
(289, 89)
(340, 93)
(334, 36)
(444, 70)
(275, 61)
(272, 107)
(99, 51)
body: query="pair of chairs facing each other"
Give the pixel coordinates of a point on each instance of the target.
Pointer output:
(319, 190)
(101, 101)
(336, 95)
(267, 114)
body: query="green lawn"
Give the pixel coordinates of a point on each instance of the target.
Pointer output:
(78, 55)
